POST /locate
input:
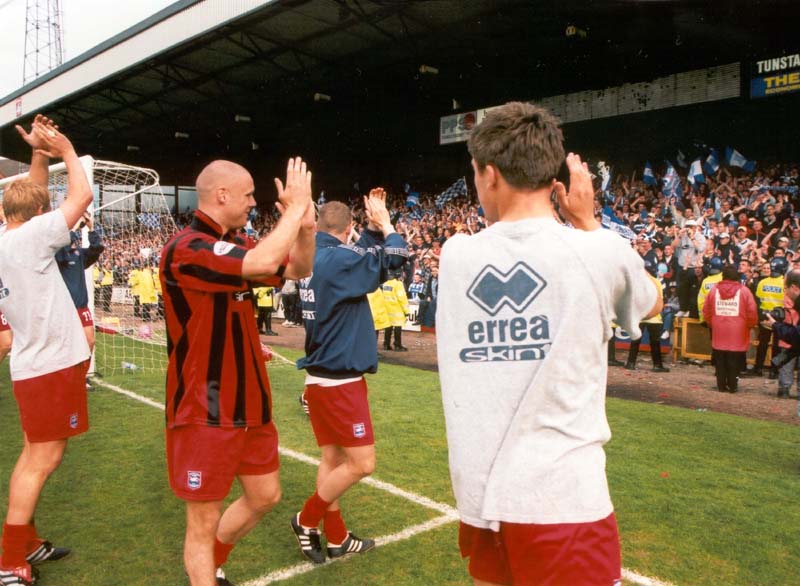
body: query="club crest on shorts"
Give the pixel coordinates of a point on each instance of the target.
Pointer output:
(194, 480)
(359, 430)
(73, 421)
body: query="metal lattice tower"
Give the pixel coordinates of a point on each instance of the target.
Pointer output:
(44, 38)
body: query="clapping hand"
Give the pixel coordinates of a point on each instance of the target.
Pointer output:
(45, 138)
(296, 194)
(375, 208)
(577, 206)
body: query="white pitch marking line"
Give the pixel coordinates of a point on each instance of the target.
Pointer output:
(291, 572)
(450, 514)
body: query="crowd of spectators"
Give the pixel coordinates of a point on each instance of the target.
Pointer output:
(745, 219)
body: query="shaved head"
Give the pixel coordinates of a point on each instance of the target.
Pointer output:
(225, 192)
(217, 174)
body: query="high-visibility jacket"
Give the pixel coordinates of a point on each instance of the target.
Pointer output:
(378, 308)
(265, 296)
(706, 286)
(396, 301)
(156, 281)
(134, 277)
(769, 293)
(147, 287)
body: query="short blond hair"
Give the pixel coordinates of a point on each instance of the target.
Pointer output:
(334, 218)
(24, 199)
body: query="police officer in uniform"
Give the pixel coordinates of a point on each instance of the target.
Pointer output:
(769, 294)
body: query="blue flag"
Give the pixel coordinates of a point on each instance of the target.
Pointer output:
(648, 177)
(457, 189)
(609, 221)
(412, 199)
(734, 158)
(672, 183)
(696, 172)
(711, 164)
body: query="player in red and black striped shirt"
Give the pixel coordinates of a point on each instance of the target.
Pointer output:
(219, 420)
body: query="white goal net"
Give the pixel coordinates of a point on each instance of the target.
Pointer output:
(131, 215)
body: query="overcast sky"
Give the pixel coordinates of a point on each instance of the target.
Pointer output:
(86, 23)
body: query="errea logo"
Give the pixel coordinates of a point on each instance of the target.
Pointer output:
(517, 288)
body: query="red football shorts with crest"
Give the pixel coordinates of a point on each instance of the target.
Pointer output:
(340, 414)
(53, 406)
(202, 461)
(577, 554)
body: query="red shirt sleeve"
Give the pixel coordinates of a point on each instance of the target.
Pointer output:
(207, 265)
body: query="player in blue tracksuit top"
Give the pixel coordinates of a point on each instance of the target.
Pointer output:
(73, 260)
(340, 348)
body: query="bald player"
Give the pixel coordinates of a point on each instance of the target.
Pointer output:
(219, 407)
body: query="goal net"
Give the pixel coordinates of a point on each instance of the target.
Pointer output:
(134, 221)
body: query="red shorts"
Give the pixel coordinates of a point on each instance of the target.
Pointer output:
(4, 323)
(202, 461)
(86, 316)
(340, 415)
(53, 406)
(577, 554)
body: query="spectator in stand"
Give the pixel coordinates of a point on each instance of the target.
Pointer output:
(671, 307)
(691, 244)
(730, 311)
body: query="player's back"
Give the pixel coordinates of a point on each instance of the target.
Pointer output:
(47, 331)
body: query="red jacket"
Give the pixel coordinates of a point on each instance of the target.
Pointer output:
(730, 311)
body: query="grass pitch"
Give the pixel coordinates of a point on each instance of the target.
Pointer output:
(701, 498)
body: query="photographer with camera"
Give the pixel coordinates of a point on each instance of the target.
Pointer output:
(730, 311)
(786, 330)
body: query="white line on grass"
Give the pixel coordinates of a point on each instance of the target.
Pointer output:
(298, 569)
(450, 514)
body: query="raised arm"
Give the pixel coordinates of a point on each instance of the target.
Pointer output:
(38, 172)
(266, 259)
(49, 142)
(301, 256)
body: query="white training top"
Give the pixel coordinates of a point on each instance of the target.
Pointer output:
(48, 335)
(524, 314)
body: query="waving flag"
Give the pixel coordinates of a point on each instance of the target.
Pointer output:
(604, 171)
(734, 158)
(412, 199)
(711, 164)
(648, 177)
(609, 221)
(696, 172)
(681, 158)
(457, 189)
(672, 183)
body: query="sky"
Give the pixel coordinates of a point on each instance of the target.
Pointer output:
(86, 23)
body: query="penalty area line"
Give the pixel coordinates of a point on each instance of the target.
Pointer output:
(449, 513)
